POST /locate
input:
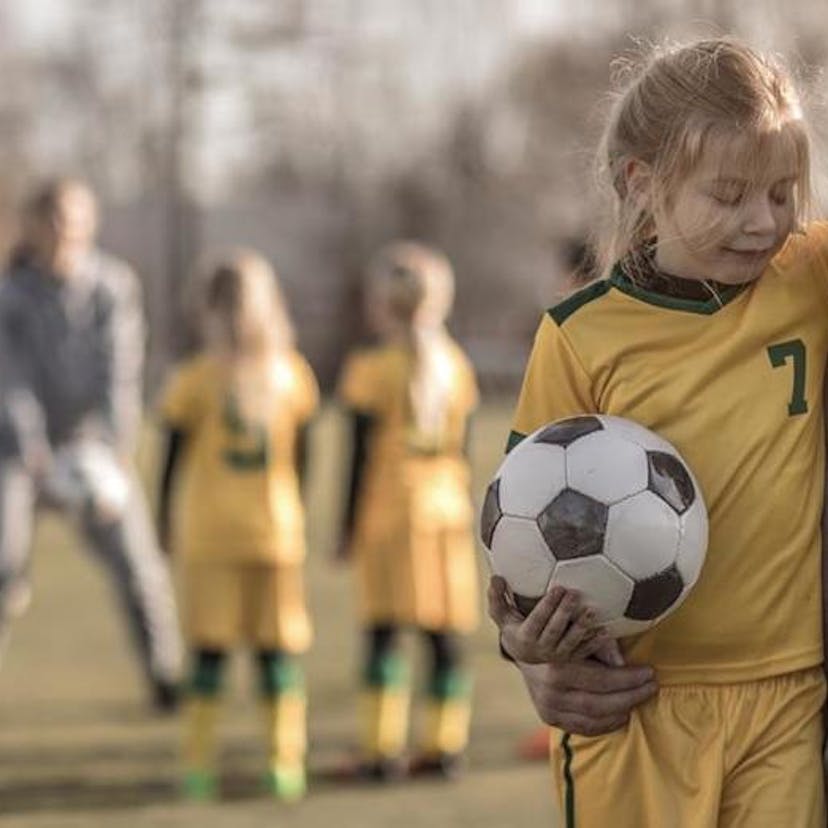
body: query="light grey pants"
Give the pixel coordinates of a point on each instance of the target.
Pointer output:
(128, 550)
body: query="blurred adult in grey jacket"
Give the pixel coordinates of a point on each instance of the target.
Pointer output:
(71, 358)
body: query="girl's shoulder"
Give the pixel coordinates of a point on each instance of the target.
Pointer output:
(295, 361)
(812, 238)
(458, 355)
(366, 373)
(804, 255)
(197, 365)
(372, 356)
(292, 372)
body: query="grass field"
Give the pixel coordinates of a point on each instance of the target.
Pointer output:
(79, 747)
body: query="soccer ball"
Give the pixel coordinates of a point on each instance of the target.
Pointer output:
(85, 475)
(603, 506)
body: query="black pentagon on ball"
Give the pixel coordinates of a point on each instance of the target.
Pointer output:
(573, 525)
(669, 479)
(655, 595)
(568, 431)
(491, 513)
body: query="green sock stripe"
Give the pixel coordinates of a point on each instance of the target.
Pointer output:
(208, 669)
(279, 673)
(569, 785)
(450, 684)
(386, 671)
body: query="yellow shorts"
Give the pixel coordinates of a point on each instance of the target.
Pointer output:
(262, 605)
(745, 755)
(428, 580)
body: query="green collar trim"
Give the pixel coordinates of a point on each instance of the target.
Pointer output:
(620, 280)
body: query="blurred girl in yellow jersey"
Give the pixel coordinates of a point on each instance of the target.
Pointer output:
(409, 514)
(235, 417)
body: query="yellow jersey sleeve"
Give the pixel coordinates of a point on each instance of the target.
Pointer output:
(182, 400)
(359, 387)
(555, 384)
(809, 250)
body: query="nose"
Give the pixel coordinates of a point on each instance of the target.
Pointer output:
(759, 218)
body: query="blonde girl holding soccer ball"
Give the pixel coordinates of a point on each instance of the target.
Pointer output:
(710, 327)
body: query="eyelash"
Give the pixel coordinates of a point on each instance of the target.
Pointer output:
(728, 201)
(734, 201)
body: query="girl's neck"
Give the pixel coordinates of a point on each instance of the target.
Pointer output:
(643, 271)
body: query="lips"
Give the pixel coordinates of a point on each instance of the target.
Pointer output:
(748, 253)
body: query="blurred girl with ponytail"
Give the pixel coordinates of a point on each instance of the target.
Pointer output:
(236, 417)
(409, 512)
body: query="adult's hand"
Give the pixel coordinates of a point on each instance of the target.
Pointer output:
(557, 629)
(588, 697)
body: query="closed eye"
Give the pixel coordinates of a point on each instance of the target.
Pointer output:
(729, 194)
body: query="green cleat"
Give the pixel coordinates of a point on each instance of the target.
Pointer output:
(287, 784)
(199, 786)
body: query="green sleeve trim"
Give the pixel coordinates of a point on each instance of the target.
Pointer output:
(515, 437)
(563, 310)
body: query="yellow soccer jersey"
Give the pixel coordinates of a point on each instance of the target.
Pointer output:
(238, 498)
(737, 388)
(413, 543)
(399, 474)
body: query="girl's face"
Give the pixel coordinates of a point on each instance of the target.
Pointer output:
(725, 223)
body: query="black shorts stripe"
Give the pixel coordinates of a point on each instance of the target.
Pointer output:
(569, 785)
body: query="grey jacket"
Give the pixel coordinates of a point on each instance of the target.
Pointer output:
(71, 355)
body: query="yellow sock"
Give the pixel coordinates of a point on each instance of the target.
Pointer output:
(385, 722)
(199, 749)
(286, 729)
(446, 726)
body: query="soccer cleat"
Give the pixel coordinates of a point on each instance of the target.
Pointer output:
(199, 786)
(381, 770)
(439, 765)
(287, 784)
(387, 769)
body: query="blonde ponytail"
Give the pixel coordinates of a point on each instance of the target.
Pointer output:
(245, 322)
(413, 287)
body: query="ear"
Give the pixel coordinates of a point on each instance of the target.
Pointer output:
(638, 179)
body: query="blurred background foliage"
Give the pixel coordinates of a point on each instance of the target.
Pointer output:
(317, 129)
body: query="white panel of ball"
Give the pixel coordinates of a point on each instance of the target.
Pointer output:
(602, 585)
(523, 558)
(588, 472)
(642, 535)
(531, 477)
(693, 543)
